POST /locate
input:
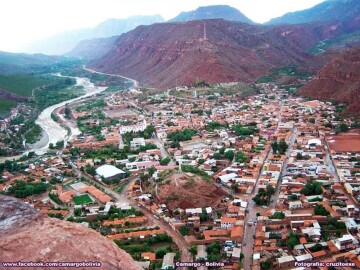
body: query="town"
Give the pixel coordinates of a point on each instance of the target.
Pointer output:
(252, 177)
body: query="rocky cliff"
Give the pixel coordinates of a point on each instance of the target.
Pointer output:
(26, 236)
(338, 80)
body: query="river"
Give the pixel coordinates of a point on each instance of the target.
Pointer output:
(53, 131)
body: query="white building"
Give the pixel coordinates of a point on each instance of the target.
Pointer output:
(140, 126)
(295, 205)
(137, 142)
(108, 172)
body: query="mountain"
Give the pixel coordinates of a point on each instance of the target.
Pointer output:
(20, 62)
(330, 10)
(169, 54)
(39, 238)
(338, 80)
(91, 49)
(213, 12)
(65, 42)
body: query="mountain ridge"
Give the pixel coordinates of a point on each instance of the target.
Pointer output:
(167, 54)
(212, 12)
(330, 10)
(66, 41)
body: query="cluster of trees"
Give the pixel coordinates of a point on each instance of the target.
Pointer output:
(244, 130)
(320, 210)
(21, 189)
(341, 128)
(58, 145)
(180, 136)
(279, 147)
(277, 215)
(55, 198)
(228, 154)
(184, 230)
(214, 125)
(57, 215)
(263, 197)
(194, 170)
(240, 157)
(67, 112)
(214, 252)
(312, 188)
(165, 161)
(292, 240)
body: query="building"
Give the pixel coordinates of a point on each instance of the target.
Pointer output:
(295, 205)
(201, 253)
(227, 222)
(137, 142)
(109, 172)
(286, 261)
(168, 261)
(347, 241)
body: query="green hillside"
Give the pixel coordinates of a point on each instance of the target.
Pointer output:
(21, 84)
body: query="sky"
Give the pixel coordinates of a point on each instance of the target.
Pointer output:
(25, 21)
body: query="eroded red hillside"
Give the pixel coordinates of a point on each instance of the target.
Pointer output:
(338, 80)
(170, 54)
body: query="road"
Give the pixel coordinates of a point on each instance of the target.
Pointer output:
(249, 231)
(135, 83)
(283, 169)
(121, 197)
(164, 153)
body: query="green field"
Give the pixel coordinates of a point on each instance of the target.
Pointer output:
(82, 199)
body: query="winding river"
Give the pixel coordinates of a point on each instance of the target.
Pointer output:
(53, 131)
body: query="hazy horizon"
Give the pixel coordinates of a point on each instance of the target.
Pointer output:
(31, 21)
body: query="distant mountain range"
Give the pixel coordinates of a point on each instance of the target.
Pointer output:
(20, 62)
(330, 10)
(213, 12)
(164, 55)
(65, 42)
(95, 48)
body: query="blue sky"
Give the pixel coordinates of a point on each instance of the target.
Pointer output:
(25, 21)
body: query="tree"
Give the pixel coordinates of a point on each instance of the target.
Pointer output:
(240, 157)
(316, 247)
(222, 150)
(312, 120)
(151, 170)
(266, 265)
(204, 216)
(234, 187)
(165, 161)
(320, 210)
(67, 112)
(184, 230)
(274, 146)
(229, 154)
(77, 212)
(90, 170)
(270, 190)
(342, 128)
(312, 188)
(277, 215)
(193, 250)
(217, 156)
(292, 240)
